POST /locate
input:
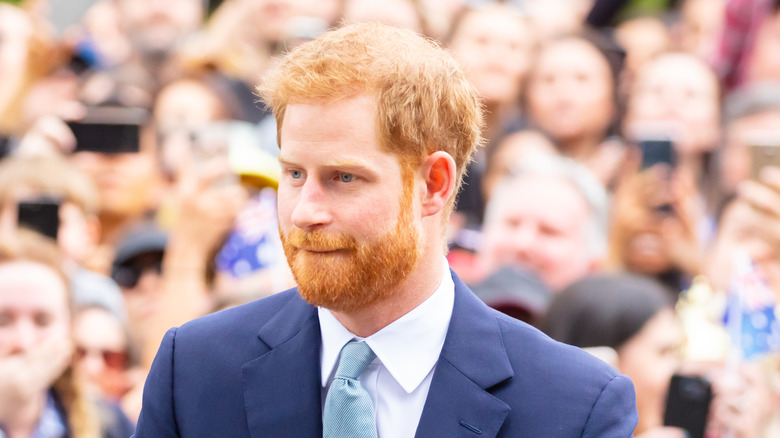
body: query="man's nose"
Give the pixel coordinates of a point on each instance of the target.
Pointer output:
(25, 335)
(523, 240)
(311, 209)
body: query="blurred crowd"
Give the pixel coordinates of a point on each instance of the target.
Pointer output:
(626, 199)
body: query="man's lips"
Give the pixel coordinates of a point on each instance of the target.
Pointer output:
(323, 251)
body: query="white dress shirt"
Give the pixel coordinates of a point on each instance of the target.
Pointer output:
(406, 354)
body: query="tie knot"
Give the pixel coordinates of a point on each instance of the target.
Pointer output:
(354, 358)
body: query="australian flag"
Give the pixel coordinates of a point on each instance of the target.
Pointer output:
(751, 317)
(254, 243)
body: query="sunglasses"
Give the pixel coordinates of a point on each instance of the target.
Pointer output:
(128, 276)
(116, 360)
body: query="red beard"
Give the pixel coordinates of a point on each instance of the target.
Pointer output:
(340, 274)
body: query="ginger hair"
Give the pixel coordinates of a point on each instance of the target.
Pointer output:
(424, 101)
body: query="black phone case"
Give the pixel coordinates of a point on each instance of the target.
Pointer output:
(40, 216)
(688, 404)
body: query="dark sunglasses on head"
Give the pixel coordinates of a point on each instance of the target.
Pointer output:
(116, 360)
(128, 276)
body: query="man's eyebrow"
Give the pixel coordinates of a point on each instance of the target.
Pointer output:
(348, 164)
(342, 164)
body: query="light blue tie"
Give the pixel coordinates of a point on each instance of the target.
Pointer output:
(349, 412)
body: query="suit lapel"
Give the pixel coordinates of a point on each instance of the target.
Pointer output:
(472, 360)
(282, 387)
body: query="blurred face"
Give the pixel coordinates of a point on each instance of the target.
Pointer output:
(140, 280)
(77, 235)
(495, 46)
(100, 349)
(345, 217)
(541, 228)
(33, 308)
(155, 26)
(680, 93)
(180, 108)
(702, 20)
(127, 182)
(570, 92)
(649, 359)
(735, 164)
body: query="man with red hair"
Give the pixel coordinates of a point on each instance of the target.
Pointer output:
(381, 338)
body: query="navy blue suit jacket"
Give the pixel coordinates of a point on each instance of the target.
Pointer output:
(254, 371)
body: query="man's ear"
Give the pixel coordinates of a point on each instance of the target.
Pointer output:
(438, 173)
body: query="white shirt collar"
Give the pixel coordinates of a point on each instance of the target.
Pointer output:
(408, 347)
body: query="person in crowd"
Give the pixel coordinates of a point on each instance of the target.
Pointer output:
(40, 394)
(751, 116)
(654, 227)
(550, 217)
(137, 269)
(180, 109)
(495, 44)
(372, 277)
(64, 202)
(677, 96)
(512, 151)
(103, 356)
(572, 96)
(635, 317)
(698, 29)
(27, 53)
(155, 30)
(128, 184)
(158, 28)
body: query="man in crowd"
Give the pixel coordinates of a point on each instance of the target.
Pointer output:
(380, 339)
(549, 217)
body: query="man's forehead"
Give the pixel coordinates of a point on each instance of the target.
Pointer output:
(531, 192)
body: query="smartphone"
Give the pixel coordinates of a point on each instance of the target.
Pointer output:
(764, 151)
(41, 215)
(109, 130)
(688, 404)
(657, 151)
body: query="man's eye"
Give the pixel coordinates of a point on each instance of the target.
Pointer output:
(296, 174)
(346, 177)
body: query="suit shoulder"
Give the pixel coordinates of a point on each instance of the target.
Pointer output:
(528, 345)
(235, 320)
